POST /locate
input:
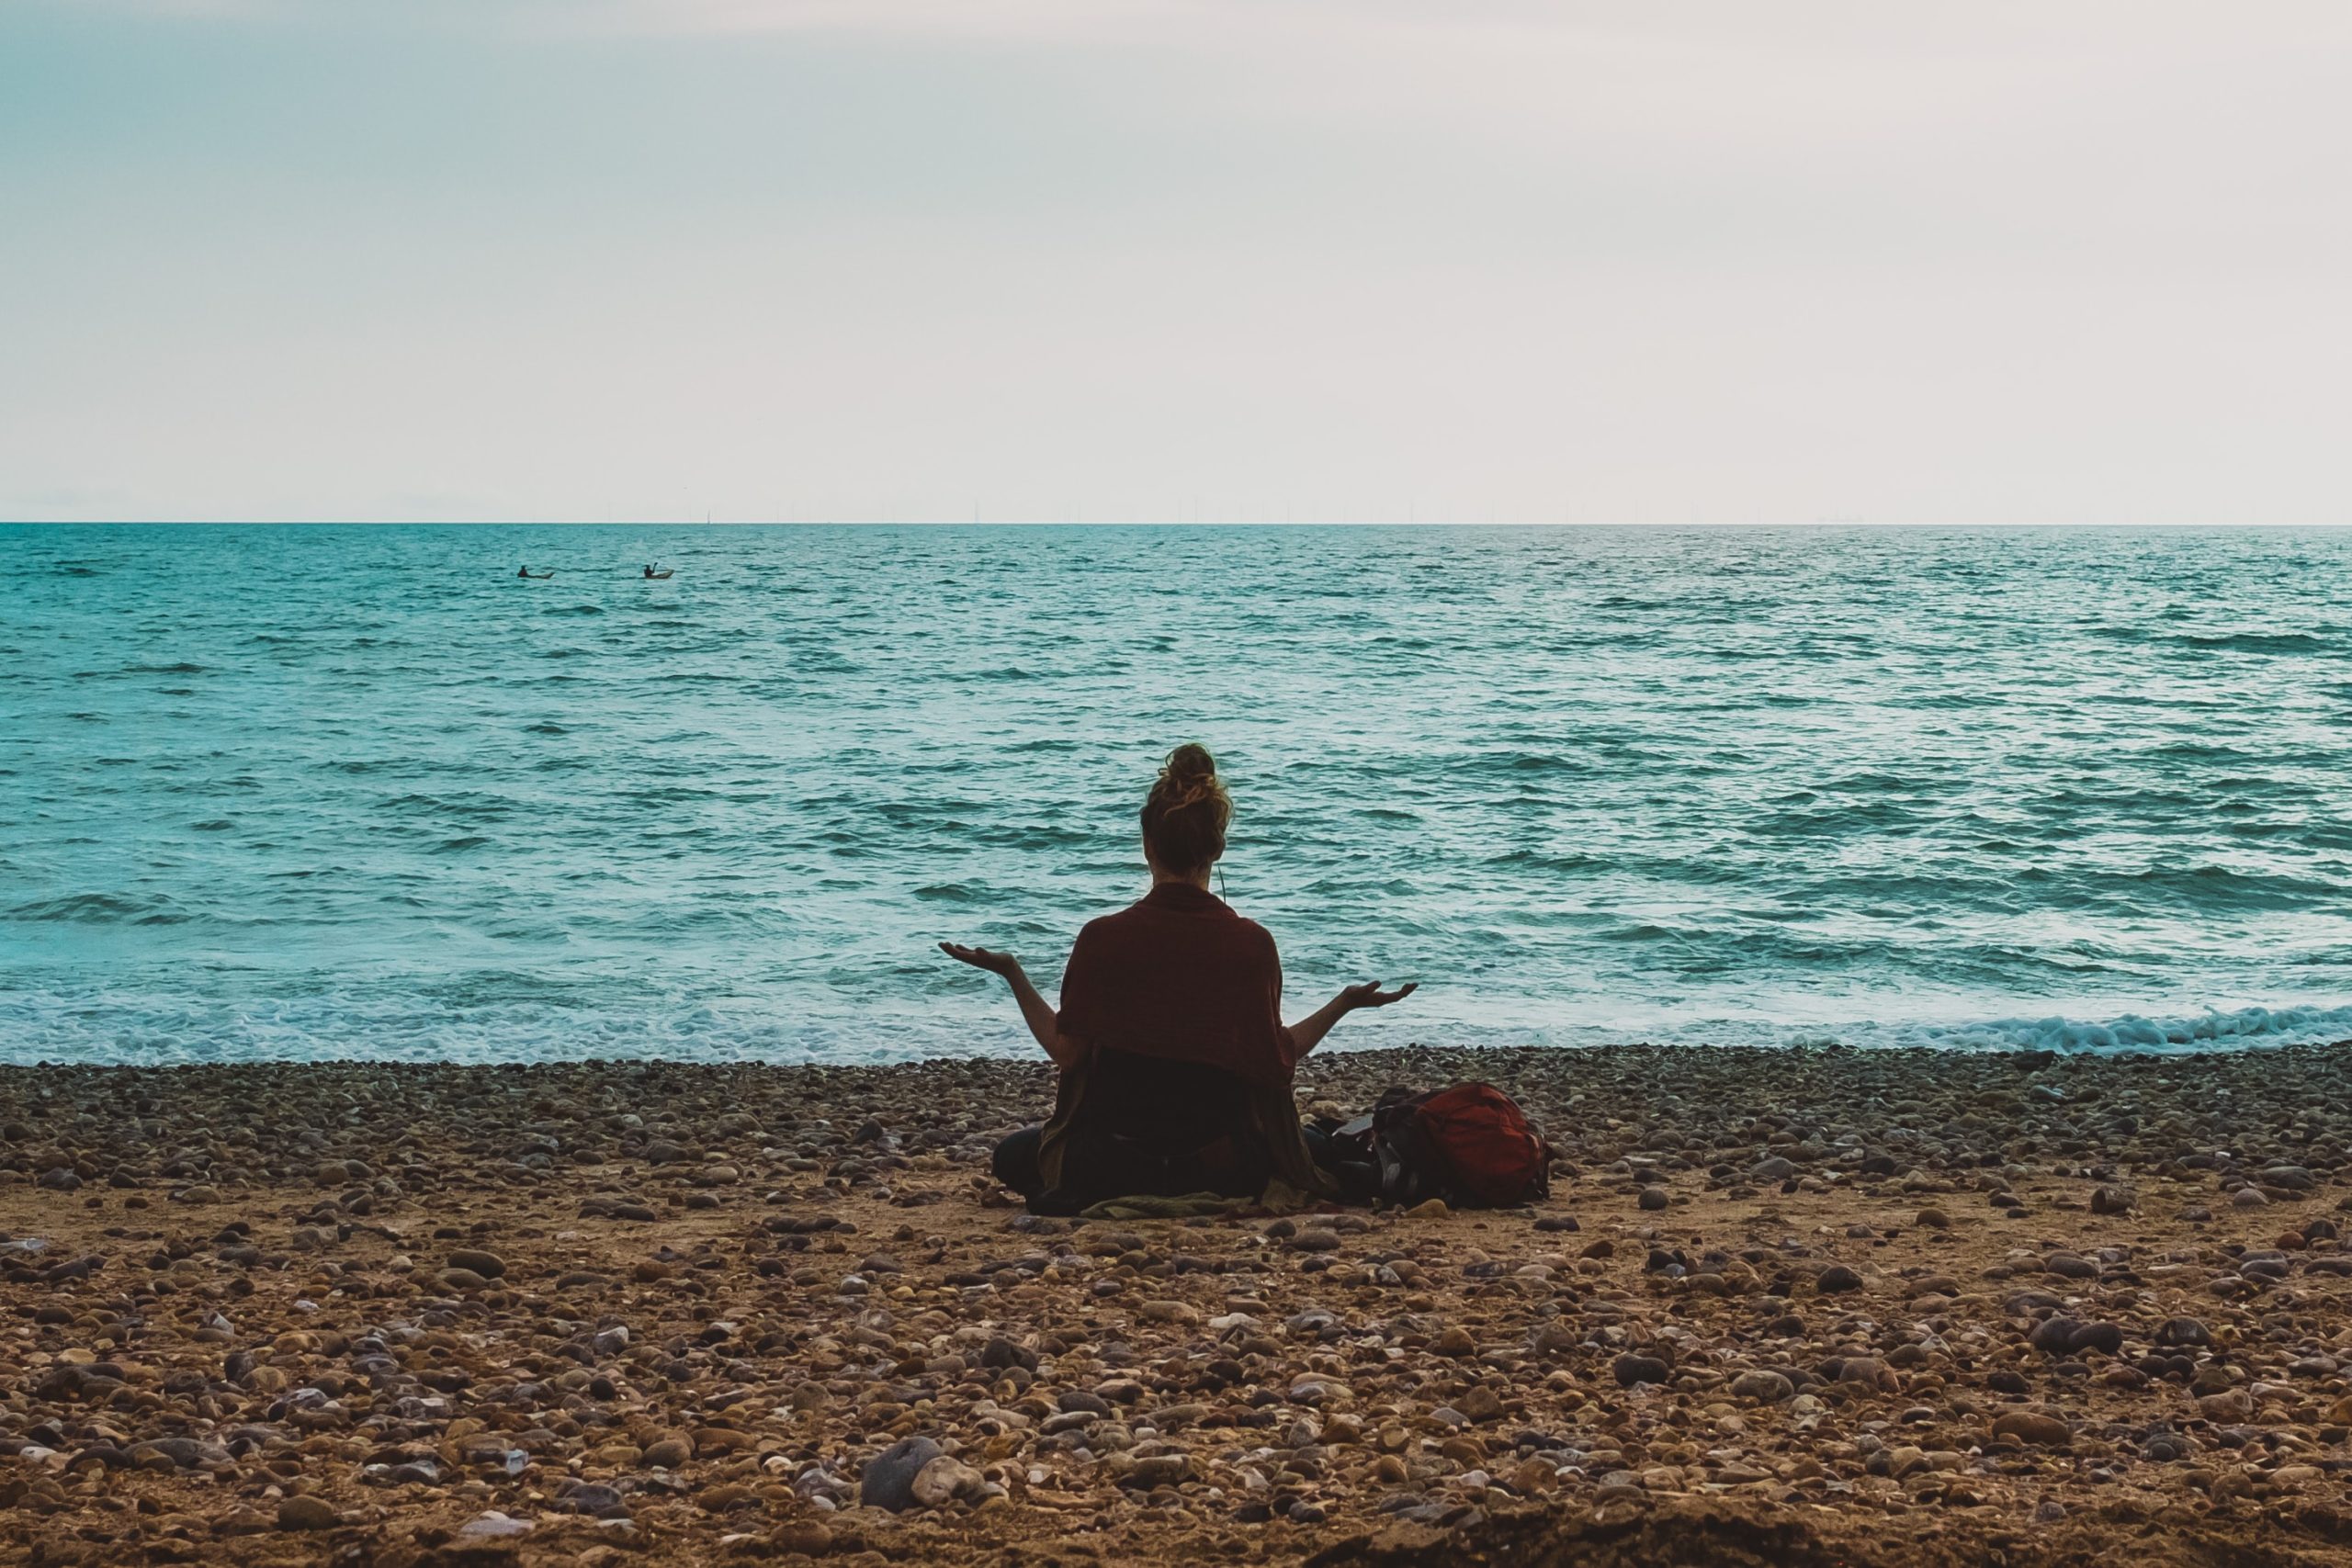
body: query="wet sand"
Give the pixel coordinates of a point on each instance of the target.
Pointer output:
(1780, 1307)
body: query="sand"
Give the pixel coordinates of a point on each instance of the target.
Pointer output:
(1815, 1306)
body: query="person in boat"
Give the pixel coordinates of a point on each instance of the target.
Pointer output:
(1175, 1063)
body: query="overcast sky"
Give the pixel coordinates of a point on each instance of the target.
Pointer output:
(1156, 259)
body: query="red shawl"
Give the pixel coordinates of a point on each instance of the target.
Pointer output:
(1178, 974)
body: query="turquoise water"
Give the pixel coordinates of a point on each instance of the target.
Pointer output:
(357, 791)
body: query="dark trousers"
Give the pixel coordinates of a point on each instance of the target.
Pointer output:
(1015, 1162)
(1015, 1165)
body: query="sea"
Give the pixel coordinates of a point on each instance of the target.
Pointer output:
(361, 792)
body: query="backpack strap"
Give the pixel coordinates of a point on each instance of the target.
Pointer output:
(1393, 1177)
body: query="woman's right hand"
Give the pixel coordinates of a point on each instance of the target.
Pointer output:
(995, 963)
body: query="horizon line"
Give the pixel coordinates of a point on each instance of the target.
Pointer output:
(1821, 523)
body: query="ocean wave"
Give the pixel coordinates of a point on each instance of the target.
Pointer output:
(102, 908)
(2251, 642)
(2239, 1028)
(519, 1015)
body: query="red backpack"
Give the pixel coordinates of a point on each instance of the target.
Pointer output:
(1470, 1145)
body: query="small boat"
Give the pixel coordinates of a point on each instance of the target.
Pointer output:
(665, 573)
(535, 576)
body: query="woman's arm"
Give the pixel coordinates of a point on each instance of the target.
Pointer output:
(1033, 1009)
(1308, 1031)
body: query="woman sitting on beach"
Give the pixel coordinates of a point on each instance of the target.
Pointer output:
(1175, 1063)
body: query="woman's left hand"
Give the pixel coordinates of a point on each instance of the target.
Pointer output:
(1370, 994)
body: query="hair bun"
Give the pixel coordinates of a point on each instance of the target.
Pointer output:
(1188, 764)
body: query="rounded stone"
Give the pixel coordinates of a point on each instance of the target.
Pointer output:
(2030, 1427)
(306, 1513)
(888, 1479)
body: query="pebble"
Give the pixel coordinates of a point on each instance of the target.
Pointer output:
(943, 1479)
(808, 1537)
(2032, 1427)
(888, 1479)
(494, 1526)
(306, 1513)
(1767, 1386)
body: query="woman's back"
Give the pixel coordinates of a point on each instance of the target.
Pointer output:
(1178, 975)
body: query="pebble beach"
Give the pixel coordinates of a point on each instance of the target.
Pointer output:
(1781, 1306)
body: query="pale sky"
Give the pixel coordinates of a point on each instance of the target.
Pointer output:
(1125, 260)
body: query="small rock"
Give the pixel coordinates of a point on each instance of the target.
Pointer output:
(943, 1479)
(596, 1500)
(1159, 1469)
(306, 1513)
(494, 1526)
(2040, 1431)
(2182, 1331)
(2227, 1408)
(1480, 1404)
(807, 1537)
(888, 1479)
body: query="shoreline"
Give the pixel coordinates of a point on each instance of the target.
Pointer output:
(934, 1033)
(1792, 1303)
